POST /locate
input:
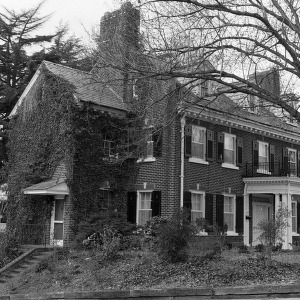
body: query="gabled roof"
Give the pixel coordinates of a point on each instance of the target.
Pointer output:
(87, 88)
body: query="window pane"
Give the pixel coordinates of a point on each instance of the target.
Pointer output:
(144, 216)
(228, 219)
(198, 134)
(229, 156)
(198, 150)
(58, 231)
(196, 215)
(228, 204)
(59, 210)
(197, 202)
(229, 142)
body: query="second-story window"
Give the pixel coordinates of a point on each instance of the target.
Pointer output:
(294, 216)
(229, 149)
(198, 142)
(292, 161)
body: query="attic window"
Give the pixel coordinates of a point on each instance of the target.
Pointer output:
(204, 88)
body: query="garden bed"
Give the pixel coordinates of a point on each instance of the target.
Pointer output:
(86, 271)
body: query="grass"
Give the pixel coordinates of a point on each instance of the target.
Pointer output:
(87, 271)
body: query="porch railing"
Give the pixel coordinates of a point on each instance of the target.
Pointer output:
(34, 234)
(272, 169)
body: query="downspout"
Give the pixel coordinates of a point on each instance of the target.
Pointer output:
(182, 123)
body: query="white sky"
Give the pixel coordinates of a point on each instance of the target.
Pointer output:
(79, 14)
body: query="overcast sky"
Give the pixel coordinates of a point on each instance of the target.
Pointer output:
(78, 13)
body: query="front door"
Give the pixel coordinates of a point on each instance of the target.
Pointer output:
(57, 223)
(260, 211)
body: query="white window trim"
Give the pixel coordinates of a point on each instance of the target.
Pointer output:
(196, 159)
(296, 158)
(261, 171)
(203, 194)
(232, 233)
(294, 233)
(138, 203)
(148, 159)
(228, 165)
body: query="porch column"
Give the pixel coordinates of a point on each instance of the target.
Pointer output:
(246, 220)
(287, 236)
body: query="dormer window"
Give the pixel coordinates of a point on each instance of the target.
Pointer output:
(204, 88)
(252, 104)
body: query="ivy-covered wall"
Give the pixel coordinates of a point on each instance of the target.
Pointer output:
(49, 129)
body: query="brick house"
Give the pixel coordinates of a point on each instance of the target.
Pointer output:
(227, 164)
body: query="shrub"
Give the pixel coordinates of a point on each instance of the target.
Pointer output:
(173, 238)
(110, 242)
(44, 264)
(152, 226)
(243, 249)
(96, 223)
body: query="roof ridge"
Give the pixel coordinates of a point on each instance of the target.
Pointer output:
(46, 62)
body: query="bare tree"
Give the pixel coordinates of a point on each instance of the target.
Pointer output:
(245, 48)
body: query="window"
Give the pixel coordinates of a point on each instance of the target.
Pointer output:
(229, 212)
(144, 211)
(294, 217)
(292, 162)
(263, 157)
(252, 103)
(198, 206)
(229, 149)
(198, 142)
(105, 198)
(204, 88)
(109, 148)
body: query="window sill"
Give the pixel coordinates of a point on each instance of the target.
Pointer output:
(198, 161)
(263, 172)
(232, 233)
(295, 234)
(201, 233)
(230, 166)
(148, 159)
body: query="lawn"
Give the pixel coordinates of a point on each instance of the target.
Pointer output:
(85, 270)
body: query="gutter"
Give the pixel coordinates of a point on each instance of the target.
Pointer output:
(182, 123)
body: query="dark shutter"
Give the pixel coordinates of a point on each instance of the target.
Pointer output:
(209, 208)
(131, 206)
(285, 161)
(220, 211)
(157, 142)
(255, 154)
(210, 137)
(188, 140)
(187, 203)
(239, 151)
(272, 158)
(239, 221)
(298, 163)
(251, 219)
(298, 217)
(156, 203)
(220, 157)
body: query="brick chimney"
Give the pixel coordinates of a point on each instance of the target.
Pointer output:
(119, 44)
(120, 28)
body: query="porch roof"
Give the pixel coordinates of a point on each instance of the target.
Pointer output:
(49, 187)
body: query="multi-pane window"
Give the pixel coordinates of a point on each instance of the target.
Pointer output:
(197, 210)
(294, 216)
(144, 211)
(263, 157)
(198, 142)
(229, 212)
(204, 88)
(292, 162)
(229, 149)
(109, 148)
(105, 198)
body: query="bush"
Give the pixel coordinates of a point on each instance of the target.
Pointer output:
(110, 242)
(44, 264)
(96, 223)
(243, 249)
(173, 238)
(152, 226)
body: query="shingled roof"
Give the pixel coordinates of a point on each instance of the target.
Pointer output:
(87, 88)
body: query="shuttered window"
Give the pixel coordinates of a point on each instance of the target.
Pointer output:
(294, 217)
(198, 206)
